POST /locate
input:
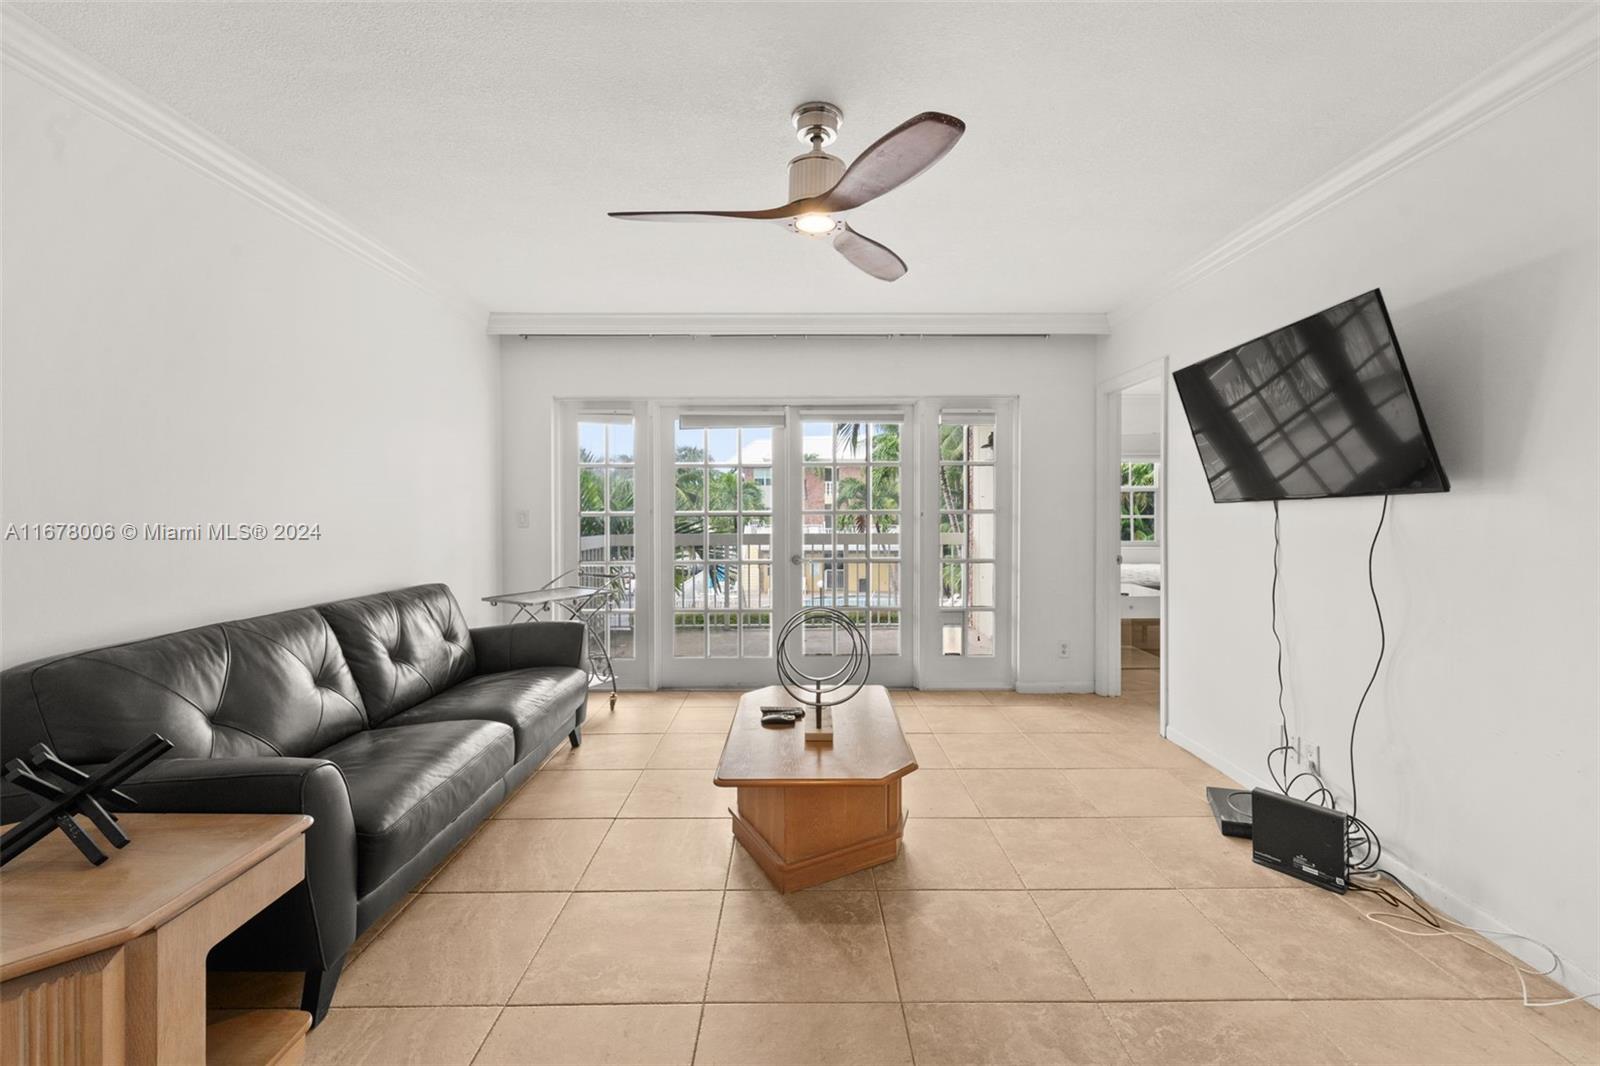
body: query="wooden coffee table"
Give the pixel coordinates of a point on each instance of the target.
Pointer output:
(808, 813)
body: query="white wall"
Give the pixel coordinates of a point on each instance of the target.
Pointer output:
(1141, 425)
(1478, 751)
(176, 353)
(1052, 377)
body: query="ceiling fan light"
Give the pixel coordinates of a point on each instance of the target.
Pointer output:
(815, 224)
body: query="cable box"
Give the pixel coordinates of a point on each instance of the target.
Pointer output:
(1300, 839)
(1231, 808)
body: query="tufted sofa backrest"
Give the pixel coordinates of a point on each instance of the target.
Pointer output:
(403, 646)
(274, 685)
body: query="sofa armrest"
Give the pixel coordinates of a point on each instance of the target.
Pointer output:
(525, 644)
(273, 785)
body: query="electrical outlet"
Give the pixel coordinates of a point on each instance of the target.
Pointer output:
(1065, 650)
(1315, 763)
(523, 519)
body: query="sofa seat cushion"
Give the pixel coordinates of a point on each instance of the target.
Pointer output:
(537, 703)
(408, 784)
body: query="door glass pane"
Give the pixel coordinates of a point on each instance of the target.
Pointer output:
(817, 637)
(980, 633)
(755, 586)
(688, 636)
(952, 585)
(722, 542)
(622, 490)
(722, 639)
(756, 634)
(619, 442)
(722, 488)
(605, 522)
(690, 488)
(980, 446)
(885, 632)
(980, 488)
(591, 442)
(981, 537)
(850, 531)
(980, 584)
(758, 536)
(968, 488)
(722, 445)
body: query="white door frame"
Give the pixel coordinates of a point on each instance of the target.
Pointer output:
(1108, 535)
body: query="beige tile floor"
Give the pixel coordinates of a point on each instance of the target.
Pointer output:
(1062, 897)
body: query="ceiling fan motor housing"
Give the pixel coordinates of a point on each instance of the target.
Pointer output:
(813, 174)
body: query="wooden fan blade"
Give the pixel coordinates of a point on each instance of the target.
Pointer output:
(868, 254)
(772, 214)
(894, 159)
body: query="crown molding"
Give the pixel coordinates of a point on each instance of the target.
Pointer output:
(30, 49)
(1563, 50)
(790, 325)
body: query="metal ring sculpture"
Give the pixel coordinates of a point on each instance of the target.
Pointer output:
(812, 690)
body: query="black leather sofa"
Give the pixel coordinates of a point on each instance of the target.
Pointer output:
(385, 718)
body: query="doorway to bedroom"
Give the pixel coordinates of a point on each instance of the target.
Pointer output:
(1139, 533)
(1131, 579)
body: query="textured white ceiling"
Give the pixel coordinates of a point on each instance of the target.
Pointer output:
(1107, 145)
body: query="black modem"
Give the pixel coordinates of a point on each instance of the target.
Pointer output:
(1300, 839)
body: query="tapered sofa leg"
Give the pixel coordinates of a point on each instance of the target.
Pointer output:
(576, 736)
(317, 993)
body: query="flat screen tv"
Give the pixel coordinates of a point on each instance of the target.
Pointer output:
(1323, 407)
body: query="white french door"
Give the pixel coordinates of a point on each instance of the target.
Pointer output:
(968, 528)
(850, 507)
(720, 579)
(771, 510)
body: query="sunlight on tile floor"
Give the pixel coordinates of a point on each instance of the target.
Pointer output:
(1062, 897)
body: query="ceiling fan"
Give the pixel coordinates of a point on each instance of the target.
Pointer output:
(822, 188)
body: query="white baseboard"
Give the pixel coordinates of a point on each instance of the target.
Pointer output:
(1439, 896)
(1045, 687)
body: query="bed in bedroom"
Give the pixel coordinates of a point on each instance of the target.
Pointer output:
(1141, 590)
(1141, 607)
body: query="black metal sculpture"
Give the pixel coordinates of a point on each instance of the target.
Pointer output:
(822, 693)
(77, 793)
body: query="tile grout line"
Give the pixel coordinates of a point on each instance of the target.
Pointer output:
(711, 961)
(1062, 944)
(894, 971)
(1114, 1001)
(563, 909)
(1184, 894)
(1116, 1033)
(518, 982)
